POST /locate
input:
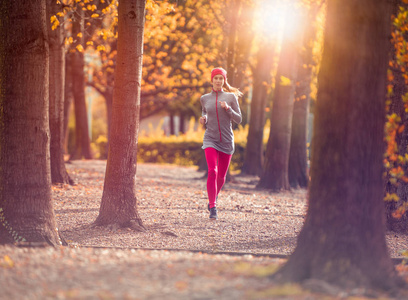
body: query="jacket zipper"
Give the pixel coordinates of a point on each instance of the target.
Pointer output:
(216, 109)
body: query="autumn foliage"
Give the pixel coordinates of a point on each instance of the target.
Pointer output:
(396, 154)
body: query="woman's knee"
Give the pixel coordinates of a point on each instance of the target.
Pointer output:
(212, 172)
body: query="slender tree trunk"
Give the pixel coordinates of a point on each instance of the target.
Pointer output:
(26, 212)
(82, 140)
(343, 238)
(245, 36)
(232, 39)
(172, 125)
(254, 152)
(182, 123)
(119, 202)
(275, 172)
(67, 99)
(57, 80)
(298, 170)
(108, 100)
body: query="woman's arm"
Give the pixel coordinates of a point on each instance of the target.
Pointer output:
(203, 118)
(234, 111)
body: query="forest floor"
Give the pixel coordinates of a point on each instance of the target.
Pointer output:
(181, 255)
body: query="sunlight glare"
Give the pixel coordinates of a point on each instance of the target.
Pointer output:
(271, 17)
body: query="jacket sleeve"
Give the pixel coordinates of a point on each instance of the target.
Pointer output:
(234, 111)
(203, 110)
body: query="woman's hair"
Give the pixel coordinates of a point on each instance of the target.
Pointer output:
(231, 89)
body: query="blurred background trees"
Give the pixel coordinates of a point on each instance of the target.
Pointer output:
(272, 51)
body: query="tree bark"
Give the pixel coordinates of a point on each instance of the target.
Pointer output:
(82, 140)
(119, 201)
(245, 36)
(232, 36)
(254, 152)
(298, 170)
(26, 212)
(343, 238)
(275, 171)
(182, 124)
(56, 98)
(67, 100)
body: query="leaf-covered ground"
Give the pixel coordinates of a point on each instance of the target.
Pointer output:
(194, 258)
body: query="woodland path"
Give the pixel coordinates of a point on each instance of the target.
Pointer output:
(182, 255)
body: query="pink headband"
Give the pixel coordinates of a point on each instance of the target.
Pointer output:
(219, 71)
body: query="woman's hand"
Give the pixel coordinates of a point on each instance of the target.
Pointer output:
(224, 105)
(202, 120)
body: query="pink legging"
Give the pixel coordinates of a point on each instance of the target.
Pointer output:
(218, 163)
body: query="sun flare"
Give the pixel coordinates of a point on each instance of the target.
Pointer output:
(275, 20)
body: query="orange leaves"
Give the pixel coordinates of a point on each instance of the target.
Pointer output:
(80, 48)
(400, 211)
(54, 22)
(391, 197)
(396, 157)
(6, 262)
(392, 127)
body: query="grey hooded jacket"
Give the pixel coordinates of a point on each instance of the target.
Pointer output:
(218, 133)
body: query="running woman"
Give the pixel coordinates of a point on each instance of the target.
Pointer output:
(219, 109)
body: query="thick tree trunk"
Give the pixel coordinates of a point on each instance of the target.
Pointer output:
(82, 140)
(119, 202)
(343, 238)
(26, 211)
(275, 170)
(298, 170)
(254, 152)
(57, 80)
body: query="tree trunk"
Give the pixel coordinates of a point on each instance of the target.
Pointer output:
(254, 152)
(275, 171)
(67, 99)
(82, 141)
(56, 95)
(182, 124)
(172, 125)
(119, 202)
(26, 212)
(245, 36)
(343, 238)
(108, 95)
(232, 36)
(298, 170)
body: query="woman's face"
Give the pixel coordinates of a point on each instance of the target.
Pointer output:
(218, 82)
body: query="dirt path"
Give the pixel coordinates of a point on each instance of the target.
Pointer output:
(172, 203)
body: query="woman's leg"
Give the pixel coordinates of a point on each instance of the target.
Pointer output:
(211, 155)
(223, 164)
